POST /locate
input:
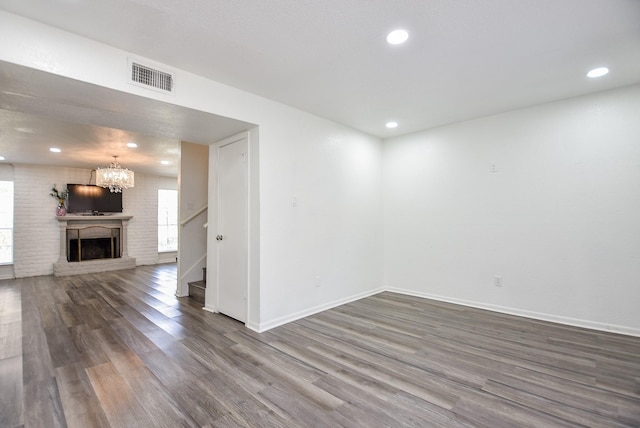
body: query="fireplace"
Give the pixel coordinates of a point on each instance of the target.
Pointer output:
(92, 244)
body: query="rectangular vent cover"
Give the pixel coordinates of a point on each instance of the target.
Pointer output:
(151, 77)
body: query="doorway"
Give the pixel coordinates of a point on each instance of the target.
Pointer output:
(229, 234)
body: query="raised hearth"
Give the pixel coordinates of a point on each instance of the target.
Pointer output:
(90, 244)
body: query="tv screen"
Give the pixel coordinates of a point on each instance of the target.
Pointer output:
(87, 198)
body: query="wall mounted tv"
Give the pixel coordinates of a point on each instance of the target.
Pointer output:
(90, 199)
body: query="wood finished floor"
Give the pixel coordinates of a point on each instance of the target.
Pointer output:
(119, 350)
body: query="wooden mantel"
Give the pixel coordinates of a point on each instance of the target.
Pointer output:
(63, 267)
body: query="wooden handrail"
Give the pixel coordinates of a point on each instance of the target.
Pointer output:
(194, 215)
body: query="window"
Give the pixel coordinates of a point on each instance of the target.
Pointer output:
(6, 222)
(167, 220)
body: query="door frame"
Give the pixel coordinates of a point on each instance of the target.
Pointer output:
(253, 225)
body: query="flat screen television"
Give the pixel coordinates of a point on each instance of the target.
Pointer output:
(91, 199)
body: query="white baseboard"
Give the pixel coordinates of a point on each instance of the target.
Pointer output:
(262, 327)
(167, 257)
(575, 322)
(6, 271)
(253, 326)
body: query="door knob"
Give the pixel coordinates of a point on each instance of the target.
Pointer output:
(219, 238)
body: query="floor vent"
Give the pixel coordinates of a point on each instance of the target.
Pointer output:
(152, 78)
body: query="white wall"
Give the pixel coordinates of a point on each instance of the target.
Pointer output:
(334, 233)
(194, 170)
(559, 220)
(6, 174)
(37, 232)
(328, 247)
(141, 202)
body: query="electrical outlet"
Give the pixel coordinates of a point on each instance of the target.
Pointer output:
(497, 281)
(318, 281)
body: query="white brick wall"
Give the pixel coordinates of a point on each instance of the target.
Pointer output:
(142, 203)
(37, 233)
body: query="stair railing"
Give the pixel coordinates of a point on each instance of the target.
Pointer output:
(194, 215)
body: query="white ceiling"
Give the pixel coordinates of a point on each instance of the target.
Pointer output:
(464, 58)
(90, 124)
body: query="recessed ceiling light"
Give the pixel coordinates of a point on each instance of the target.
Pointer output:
(598, 72)
(132, 145)
(55, 150)
(392, 125)
(1, 158)
(165, 162)
(397, 37)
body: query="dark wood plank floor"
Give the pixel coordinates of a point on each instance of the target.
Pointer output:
(119, 350)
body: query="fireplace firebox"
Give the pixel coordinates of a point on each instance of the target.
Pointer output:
(93, 244)
(93, 249)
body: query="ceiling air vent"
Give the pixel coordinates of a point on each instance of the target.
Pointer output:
(145, 76)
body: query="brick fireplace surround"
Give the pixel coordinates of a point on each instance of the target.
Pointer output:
(75, 227)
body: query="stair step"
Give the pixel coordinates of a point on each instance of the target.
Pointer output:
(197, 290)
(200, 284)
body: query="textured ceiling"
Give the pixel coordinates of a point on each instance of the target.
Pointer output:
(464, 58)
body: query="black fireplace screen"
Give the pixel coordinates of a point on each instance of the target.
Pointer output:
(93, 243)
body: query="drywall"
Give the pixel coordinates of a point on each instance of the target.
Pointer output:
(6, 174)
(546, 198)
(321, 214)
(543, 197)
(194, 169)
(333, 232)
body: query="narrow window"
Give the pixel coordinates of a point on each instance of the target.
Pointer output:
(6, 222)
(167, 220)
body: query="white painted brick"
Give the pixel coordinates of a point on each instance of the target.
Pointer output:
(36, 230)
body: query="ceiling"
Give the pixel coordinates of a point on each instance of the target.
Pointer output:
(464, 59)
(90, 124)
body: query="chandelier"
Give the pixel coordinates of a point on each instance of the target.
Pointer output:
(115, 178)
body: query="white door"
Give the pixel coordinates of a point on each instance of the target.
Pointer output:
(232, 228)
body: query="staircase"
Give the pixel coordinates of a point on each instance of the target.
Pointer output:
(197, 288)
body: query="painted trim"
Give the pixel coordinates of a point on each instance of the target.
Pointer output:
(6, 271)
(262, 327)
(254, 327)
(212, 296)
(7, 274)
(575, 322)
(167, 257)
(197, 264)
(194, 215)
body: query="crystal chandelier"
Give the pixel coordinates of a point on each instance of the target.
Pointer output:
(115, 178)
